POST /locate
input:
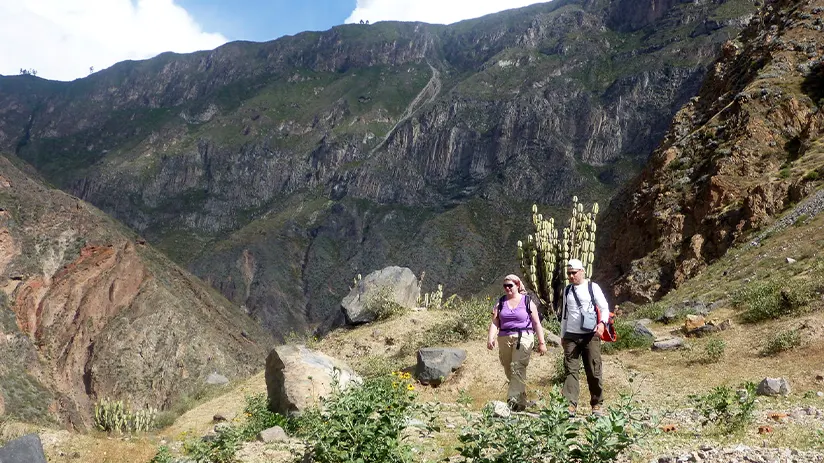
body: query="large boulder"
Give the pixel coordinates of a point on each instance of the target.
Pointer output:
(26, 449)
(435, 364)
(296, 377)
(397, 283)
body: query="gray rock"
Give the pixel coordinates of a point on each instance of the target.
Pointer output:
(435, 364)
(400, 282)
(499, 409)
(216, 379)
(26, 449)
(773, 387)
(273, 434)
(641, 330)
(668, 316)
(552, 339)
(296, 377)
(668, 344)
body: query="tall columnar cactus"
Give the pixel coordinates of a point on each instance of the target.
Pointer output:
(117, 416)
(545, 252)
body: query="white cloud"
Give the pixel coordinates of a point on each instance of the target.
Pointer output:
(61, 39)
(430, 11)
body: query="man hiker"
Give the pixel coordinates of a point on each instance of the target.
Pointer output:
(583, 319)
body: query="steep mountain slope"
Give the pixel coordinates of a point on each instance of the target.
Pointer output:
(748, 146)
(278, 171)
(90, 311)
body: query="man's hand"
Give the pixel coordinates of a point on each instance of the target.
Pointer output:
(600, 330)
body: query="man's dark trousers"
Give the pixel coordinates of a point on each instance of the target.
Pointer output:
(588, 347)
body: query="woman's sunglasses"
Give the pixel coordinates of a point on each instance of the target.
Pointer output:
(508, 285)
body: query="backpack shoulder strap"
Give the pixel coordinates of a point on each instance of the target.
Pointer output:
(528, 304)
(564, 304)
(501, 304)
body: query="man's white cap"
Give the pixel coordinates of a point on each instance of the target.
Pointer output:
(575, 264)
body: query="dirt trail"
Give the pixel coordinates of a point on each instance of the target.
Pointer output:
(426, 96)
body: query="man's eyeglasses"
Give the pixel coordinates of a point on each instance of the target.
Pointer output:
(508, 285)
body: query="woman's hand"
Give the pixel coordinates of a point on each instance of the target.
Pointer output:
(490, 343)
(542, 348)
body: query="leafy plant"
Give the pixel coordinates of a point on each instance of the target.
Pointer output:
(464, 398)
(362, 423)
(781, 341)
(259, 417)
(712, 352)
(728, 409)
(770, 300)
(219, 449)
(552, 436)
(163, 455)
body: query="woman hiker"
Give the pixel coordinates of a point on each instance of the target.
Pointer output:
(514, 326)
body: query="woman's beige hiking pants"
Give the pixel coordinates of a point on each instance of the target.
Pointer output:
(515, 362)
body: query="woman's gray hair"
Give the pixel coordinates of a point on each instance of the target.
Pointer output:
(517, 280)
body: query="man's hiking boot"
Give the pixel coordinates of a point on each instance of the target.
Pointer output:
(571, 410)
(597, 410)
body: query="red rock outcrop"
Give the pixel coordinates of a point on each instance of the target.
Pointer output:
(735, 157)
(106, 317)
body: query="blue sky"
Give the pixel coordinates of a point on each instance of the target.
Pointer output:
(69, 39)
(262, 20)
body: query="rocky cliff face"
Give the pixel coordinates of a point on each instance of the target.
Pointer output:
(90, 311)
(278, 171)
(736, 156)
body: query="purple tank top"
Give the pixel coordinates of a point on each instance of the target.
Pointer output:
(515, 319)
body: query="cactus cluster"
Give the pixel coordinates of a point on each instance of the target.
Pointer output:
(433, 300)
(118, 416)
(545, 252)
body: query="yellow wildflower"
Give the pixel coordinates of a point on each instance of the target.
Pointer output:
(410, 387)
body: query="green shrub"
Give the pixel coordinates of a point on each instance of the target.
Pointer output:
(811, 175)
(381, 303)
(727, 409)
(163, 455)
(361, 423)
(220, 449)
(259, 417)
(118, 416)
(784, 173)
(552, 436)
(781, 341)
(228, 439)
(711, 352)
(769, 300)
(627, 339)
(558, 372)
(653, 311)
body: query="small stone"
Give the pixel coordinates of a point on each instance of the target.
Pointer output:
(273, 434)
(668, 344)
(773, 387)
(216, 379)
(819, 394)
(500, 409)
(790, 260)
